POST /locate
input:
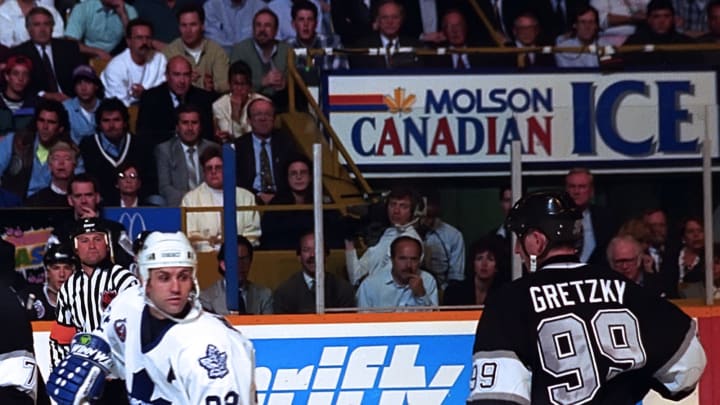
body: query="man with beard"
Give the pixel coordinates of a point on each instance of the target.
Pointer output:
(406, 285)
(137, 68)
(297, 294)
(24, 154)
(266, 57)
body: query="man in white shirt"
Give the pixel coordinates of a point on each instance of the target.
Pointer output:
(137, 68)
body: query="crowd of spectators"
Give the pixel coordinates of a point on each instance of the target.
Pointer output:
(111, 102)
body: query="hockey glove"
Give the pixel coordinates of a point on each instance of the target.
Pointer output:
(80, 377)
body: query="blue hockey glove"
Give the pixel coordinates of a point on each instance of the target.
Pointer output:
(80, 377)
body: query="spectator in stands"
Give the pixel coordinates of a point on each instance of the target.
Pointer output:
(113, 145)
(156, 118)
(208, 59)
(455, 30)
(685, 265)
(17, 102)
(713, 34)
(624, 254)
(389, 20)
(281, 229)
(85, 202)
(259, 167)
(526, 30)
(296, 295)
(137, 68)
(24, 154)
(228, 22)
(13, 14)
(81, 108)
(60, 262)
(304, 22)
(128, 184)
(177, 159)
(400, 208)
(640, 231)
(53, 59)
(506, 202)
(99, 25)
(352, 20)
(660, 31)
(482, 277)
(598, 224)
(252, 298)
(656, 220)
(205, 229)
(406, 285)
(584, 33)
(691, 17)
(556, 17)
(231, 110)
(62, 161)
(619, 18)
(444, 245)
(266, 56)
(163, 16)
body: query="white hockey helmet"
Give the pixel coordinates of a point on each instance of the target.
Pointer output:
(161, 249)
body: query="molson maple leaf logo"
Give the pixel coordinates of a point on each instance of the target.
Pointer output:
(399, 102)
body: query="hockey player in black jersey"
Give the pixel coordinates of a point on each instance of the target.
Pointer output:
(569, 333)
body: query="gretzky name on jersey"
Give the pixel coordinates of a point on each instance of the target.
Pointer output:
(566, 294)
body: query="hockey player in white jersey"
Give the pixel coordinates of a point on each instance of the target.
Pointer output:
(158, 339)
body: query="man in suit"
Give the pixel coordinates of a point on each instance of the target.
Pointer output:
(178, 167)
(526, 29)
(296, 295)
(598, 224)
(352, 20)
(156, 118)
(261, 168)
(455, 29)
(254, 298)
(53, 59)
(389, 21)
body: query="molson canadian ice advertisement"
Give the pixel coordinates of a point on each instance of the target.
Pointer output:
(465, 124)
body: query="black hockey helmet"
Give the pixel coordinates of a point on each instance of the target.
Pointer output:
(551, 212)
(89, 225)
(60, 253)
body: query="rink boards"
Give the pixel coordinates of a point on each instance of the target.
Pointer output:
(386, 359)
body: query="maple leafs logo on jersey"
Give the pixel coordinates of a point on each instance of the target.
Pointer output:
(215, 362)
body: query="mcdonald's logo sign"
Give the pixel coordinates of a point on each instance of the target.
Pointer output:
(133, 222)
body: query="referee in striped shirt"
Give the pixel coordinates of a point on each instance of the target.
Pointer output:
(85, 295)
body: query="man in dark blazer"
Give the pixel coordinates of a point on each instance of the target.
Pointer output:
(156, 116)
(249, 149)
(527, 33)
(389, 20)
(173, 157)
(53, 81)
(296, 295)
(352, 20)
(599, 225)
(455, 29)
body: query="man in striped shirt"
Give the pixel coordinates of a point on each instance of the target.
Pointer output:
(88, 291)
